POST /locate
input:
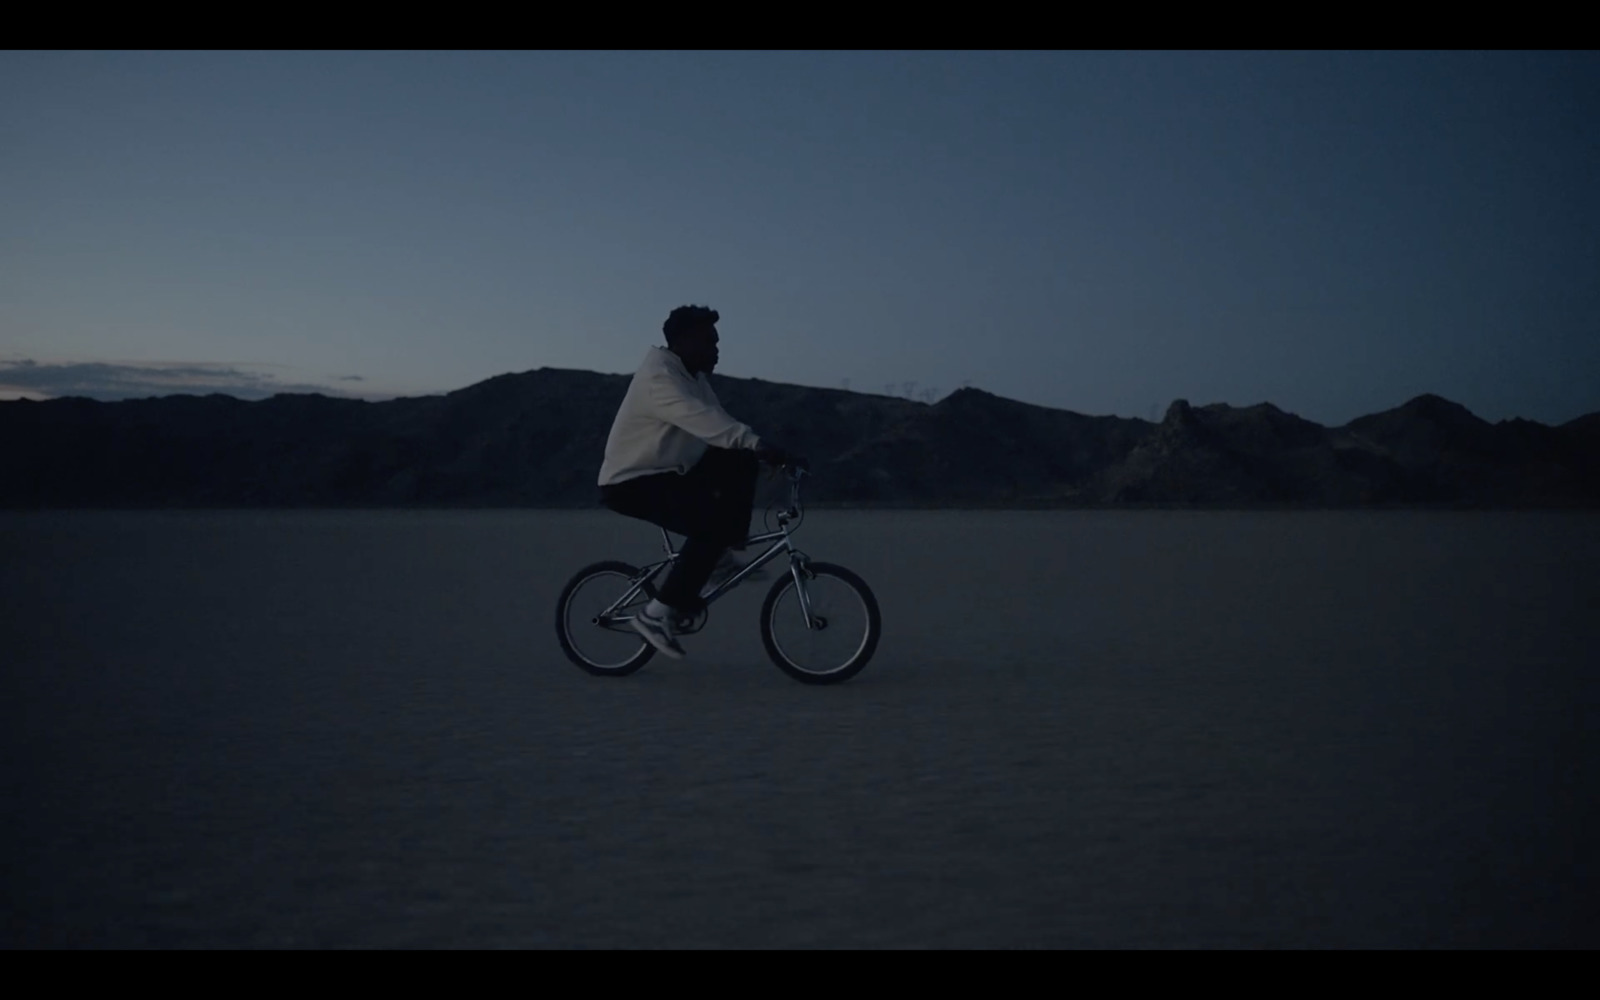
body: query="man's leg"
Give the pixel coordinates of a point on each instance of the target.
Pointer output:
(728, 478)
(710, 506)
(721, 490)
(734, 475)
(698, 557)
(664, 501)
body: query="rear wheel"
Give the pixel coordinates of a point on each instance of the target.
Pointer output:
(842, 632)
(596, 636)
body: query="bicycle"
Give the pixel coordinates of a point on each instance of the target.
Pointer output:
(802, 591)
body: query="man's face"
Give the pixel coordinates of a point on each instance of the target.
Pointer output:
(699, 350)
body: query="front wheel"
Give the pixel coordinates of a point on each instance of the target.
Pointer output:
(843, 630)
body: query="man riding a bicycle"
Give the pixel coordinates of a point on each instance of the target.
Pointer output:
(676, 459)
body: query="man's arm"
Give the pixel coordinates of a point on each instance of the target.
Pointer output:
(711, 424)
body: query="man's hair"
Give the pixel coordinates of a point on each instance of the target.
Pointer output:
(688, 319)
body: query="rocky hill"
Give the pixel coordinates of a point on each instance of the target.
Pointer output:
(535, 439)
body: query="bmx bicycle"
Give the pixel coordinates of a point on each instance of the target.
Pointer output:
(815, 605)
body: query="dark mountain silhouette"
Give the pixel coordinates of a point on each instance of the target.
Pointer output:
(535, 439)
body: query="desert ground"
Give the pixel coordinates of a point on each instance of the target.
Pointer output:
(1154, 729)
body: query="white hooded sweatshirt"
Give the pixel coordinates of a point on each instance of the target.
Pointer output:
(667, 421)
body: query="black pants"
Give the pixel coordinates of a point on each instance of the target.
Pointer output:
(710, 506)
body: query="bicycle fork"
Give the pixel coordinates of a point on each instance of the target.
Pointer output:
(800, 569)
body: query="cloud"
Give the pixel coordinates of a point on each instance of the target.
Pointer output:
(109, 381)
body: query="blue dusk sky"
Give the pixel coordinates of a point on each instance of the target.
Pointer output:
(1104, 232)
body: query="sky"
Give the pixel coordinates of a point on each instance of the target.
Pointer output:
(1102, 232)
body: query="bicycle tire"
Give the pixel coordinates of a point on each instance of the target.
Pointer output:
(863, 654)
(569, 646)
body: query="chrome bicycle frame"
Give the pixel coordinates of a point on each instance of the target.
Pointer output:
(780, 540)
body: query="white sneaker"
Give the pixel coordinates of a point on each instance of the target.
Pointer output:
(658, 632)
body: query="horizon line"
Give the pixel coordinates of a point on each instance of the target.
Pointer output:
(11, 393)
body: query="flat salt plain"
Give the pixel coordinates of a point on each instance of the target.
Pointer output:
(1153, 729)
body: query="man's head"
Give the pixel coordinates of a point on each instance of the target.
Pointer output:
(691, 333)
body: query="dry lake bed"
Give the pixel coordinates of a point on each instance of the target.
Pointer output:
(1081, 730)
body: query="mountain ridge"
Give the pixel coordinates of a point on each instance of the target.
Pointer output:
(534, 438)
